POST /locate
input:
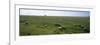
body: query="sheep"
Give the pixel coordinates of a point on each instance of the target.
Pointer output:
(61, 28)
(44, 26)
(26, 22)
(82, 26)
(86, 29)
(79, 25)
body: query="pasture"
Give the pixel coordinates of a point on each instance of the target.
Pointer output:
(49, 25)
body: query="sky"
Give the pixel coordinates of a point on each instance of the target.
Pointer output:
(53, 13)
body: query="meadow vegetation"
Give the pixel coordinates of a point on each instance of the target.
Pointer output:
(48, 25)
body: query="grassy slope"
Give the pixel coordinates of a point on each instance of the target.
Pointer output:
(35, 22)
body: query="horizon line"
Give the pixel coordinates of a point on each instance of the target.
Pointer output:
(49, 15)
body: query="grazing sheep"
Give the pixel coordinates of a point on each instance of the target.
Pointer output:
(61, 28)
(81, 26)
(45, 25)
(26, 22)
(86, 29)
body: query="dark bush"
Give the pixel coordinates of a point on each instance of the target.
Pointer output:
(28, 33)
(57, 25)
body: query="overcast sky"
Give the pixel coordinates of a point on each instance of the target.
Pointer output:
(53, 13)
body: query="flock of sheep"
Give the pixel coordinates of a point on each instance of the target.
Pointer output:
(60, 27)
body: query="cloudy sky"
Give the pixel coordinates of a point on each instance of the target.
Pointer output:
(53, 13)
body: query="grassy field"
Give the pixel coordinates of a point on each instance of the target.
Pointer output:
(48, 25)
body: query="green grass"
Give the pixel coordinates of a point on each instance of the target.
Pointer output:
(36, 24)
